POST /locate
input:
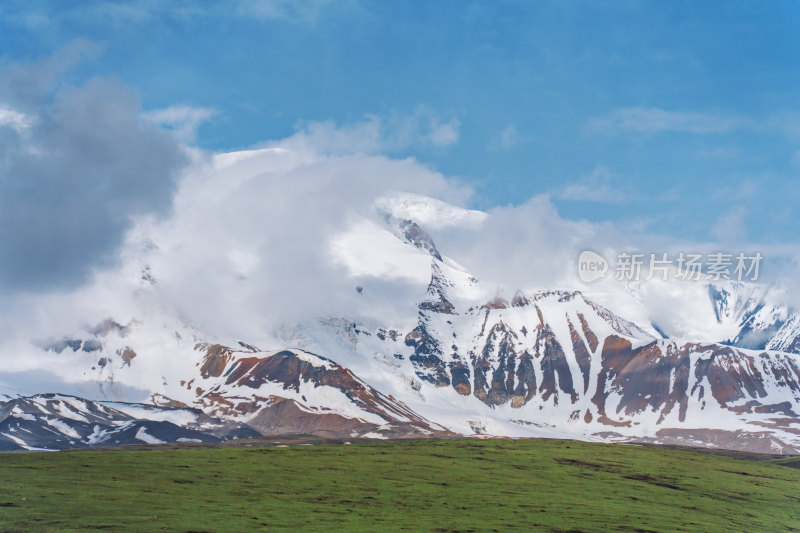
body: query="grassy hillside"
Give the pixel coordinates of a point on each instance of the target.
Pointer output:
(430, 485)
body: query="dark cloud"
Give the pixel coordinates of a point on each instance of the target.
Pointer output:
(73, 172)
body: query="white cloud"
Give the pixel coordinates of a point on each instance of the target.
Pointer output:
(366, 136)
(523, 246)
(182, 120)
(254, 229)
(15, 120)
(599, 186)
(656, 120)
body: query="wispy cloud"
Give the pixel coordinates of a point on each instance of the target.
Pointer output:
(739, 189)
(507, 139)
(599, 186)
(381, 133)
(719, 153)
(444, 133)
(27, 84)
(182, 120)
(656, 120)
(137, 11)
(731, 226)
(303, 10)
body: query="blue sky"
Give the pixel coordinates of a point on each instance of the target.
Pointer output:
(678, 118)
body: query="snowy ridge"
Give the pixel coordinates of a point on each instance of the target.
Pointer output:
(428, 212)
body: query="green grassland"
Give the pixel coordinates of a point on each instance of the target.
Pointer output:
(446, 485)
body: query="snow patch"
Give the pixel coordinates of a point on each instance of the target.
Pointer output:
(144, 436)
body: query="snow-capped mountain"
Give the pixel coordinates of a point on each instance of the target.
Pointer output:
(53, 422)
(411, 344)
(749, 311)
(756, 317)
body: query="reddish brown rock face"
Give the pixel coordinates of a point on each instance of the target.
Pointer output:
(645, 379)
(285, 417)
(731, 378)
(127, 355)
(496, 303)
(215, 360)
(277, 414)
(582, 356)
(588, 333)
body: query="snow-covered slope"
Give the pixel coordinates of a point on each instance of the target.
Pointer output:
(787, 339)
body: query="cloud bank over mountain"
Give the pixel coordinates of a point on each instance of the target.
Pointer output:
(95, 197)
(245, 241)
(77, 164)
